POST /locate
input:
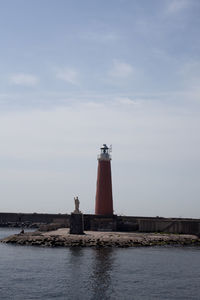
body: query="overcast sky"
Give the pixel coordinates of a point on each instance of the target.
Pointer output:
(76, 74)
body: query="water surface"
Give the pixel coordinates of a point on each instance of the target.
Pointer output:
(85, 273)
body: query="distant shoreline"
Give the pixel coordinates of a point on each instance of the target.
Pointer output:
(62, 238)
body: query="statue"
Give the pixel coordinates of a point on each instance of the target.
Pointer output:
(76, 222)
(77, 203)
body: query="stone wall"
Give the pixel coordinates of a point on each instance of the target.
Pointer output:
(100, 223)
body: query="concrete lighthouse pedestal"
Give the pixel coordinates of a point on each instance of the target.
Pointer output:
(76, 223)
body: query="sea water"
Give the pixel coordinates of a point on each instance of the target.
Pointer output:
(28, 272)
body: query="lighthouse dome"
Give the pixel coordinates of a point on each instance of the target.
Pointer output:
(104, 147)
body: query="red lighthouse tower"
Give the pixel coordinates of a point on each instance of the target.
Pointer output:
(104, 200)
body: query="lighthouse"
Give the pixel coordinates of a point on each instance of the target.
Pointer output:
(104, 200)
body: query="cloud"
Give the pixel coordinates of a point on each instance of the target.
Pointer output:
(176, 6)
(69, 75)
(24, 79)
(100, 37)
(121, 70)
(190, 72)
(127, 101)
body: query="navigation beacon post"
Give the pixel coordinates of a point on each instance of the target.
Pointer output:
(104, 199)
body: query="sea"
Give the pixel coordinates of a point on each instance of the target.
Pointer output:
(28, 272)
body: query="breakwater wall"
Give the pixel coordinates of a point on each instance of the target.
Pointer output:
(142, 224)
(18, 219)
(107, 223)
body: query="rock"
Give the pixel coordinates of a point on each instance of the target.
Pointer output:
(61, 237)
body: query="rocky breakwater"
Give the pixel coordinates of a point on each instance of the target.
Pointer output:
(62, 238)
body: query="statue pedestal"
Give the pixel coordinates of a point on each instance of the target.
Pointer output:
(76, 223)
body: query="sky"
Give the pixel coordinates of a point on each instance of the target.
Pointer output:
(77, 74)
